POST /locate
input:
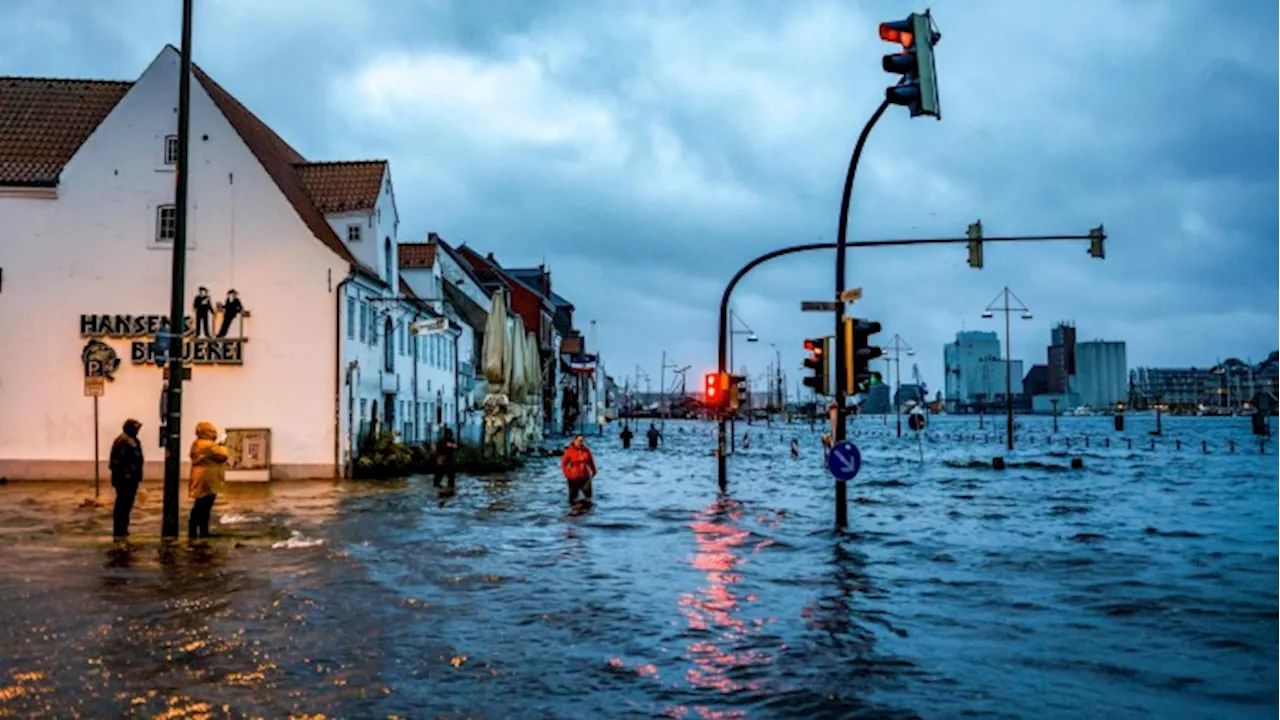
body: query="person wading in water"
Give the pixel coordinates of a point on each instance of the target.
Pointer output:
(654, 436)
(579, 467)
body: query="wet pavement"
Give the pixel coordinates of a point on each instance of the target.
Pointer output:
(1144, 585)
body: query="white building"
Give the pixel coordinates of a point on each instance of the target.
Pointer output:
(1102, 373)
(452, 290)
(87, 217)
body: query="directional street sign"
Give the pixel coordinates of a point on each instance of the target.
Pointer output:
(818, 306)
(851, 295)
(844, 461)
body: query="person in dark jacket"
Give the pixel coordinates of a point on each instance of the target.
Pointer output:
(654, 436)
(126, 475)
(626, 436)
(446, 448)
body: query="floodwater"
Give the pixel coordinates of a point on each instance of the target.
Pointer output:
(1144, 585)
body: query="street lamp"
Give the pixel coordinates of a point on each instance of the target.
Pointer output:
(898, 347)
(1010, 304)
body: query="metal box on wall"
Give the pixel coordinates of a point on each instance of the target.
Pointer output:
(250, 450)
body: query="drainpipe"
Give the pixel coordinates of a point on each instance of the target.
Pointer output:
(340, 296)
(457, 402)
(417, 414)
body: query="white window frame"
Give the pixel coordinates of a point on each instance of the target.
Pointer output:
(169, 151)
(354, 233)
(159, 227)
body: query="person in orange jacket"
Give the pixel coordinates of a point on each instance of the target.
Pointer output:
(208, 475)
(578, 466)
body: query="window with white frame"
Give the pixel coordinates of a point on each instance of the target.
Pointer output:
(351, 318)
(353, 233)
(364, 321)
(170, 149)
(166, 223)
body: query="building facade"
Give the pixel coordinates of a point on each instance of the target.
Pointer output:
(1102, 373)
(298, 333)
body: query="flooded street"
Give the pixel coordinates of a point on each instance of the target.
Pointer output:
(1143, 585)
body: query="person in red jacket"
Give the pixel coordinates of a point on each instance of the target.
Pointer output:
(579, 467)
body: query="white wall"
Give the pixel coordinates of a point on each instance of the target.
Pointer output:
(92, 250)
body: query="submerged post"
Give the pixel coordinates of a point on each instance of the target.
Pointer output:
(172, 430)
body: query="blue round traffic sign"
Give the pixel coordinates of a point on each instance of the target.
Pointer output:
(844, 461)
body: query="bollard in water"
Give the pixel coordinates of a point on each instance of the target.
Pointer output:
(1106, 442)
(997, 463)
(1119, 422)
(1077, 463)
(1153, 443)
(1204, 445)
(1177, 444)
(1128, 443)
(1231, 446)
(1086, 441)
(1068, 441)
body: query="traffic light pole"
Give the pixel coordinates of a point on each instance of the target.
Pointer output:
(177, 324)
(842, 232)
(723, 341)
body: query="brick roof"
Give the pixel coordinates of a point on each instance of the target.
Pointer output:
(43, 122)
(417, 256)
(337, 187)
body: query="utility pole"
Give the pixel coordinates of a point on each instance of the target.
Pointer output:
(1010, 304)
(171, 430)
(898, 347)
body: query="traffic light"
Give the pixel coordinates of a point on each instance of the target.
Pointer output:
(817, 362)
(1096, 236)
(861, 352)
(716, 389)
(918, 88)
(737, 391)
(975, 245)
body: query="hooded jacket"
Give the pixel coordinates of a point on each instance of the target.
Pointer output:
(208, 462)
(577, 464)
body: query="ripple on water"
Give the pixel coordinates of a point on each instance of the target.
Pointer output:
(1135, 587)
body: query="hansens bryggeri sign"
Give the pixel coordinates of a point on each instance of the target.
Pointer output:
(200, 345)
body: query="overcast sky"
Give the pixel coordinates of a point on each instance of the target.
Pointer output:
(645, 150)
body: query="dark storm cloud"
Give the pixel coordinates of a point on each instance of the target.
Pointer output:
(645, 150)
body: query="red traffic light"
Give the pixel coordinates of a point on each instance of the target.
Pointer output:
(712, 383)
(808, 345)
(899, 32)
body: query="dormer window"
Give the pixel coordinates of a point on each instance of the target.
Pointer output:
(353, 233)
(170, 149)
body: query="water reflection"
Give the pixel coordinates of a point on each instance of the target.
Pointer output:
(725, 649)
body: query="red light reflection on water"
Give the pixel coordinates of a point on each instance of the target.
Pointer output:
(716, 609)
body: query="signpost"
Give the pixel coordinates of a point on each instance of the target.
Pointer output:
(851, 295)
(95, 386)
(844, 461)
(818, 305)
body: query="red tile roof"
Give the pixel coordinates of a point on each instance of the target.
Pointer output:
(343, 186)
(417, 256)
(43, 122)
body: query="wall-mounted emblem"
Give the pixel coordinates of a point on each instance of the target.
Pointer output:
(100, 360)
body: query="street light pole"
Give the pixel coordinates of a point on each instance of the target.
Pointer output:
(842, 235)
(177, 323)
(1008, 306)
